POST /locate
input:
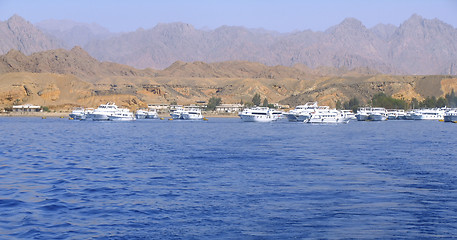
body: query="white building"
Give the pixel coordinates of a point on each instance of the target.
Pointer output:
(161, 108)
(229, 108)
(26, 108)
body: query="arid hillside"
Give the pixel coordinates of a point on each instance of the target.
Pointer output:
(62, 79)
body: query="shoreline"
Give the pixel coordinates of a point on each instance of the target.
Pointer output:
(66, 115)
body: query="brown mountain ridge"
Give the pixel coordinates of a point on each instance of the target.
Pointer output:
(62, 79)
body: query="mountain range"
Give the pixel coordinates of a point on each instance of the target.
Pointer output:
(418, 46)
(62, 79)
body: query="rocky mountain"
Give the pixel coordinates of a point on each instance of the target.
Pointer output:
(75, 62)
(417, 46)
(17, 33)
(74, 33)
(62, 79)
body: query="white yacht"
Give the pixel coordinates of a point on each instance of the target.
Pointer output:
(349, 114)
(294, 114)
(377, 114)
(429, 114)
(450, 115)
(396, 114)
(192, 114)
(122, 114)
(88, 113)
(176, 113)
(363, 113)
(152, 114)
(103, 112)
(328, 116)
(305, 115)
(141, 114)
(78, 114)
(260, 114)
(410, 115)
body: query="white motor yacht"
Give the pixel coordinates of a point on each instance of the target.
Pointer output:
(396, 114)
(349, 114)
(103, 112)
(305, 115)
(377, 114)
(141, 114)
(294, 114)
(152, 114)
(450, 115)
(328, 116)
(78, 114)
(146, 114)
(176, 113)
(428, 114)
(122, 114)
(363, 113)
(260, 114)
(192, 114)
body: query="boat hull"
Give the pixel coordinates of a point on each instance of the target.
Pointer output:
(115, 118)
(192, 117)
(256, 118)
(377, 117)
(450, 118)
(99, 117)
(327, 120)
(361, 117)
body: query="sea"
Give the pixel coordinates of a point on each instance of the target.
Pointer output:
(227, 179)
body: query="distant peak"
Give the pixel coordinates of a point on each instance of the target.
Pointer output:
(416, 16)
(180, 26)
(351, 21)
(77, 49)
(347, 24)
(16, 19)
(415, 19)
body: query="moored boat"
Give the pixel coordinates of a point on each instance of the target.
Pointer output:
(396, 114)
(450, 115)
(428, 114)
(260, 114)
(328, 116)
(363, 113)
(78, 114)
(301, 112)
(377, 114)
(122, 114)
(103, 112)
(192, 114)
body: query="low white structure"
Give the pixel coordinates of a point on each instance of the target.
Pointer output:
(229, 108)
(26, 108)
(161, 108)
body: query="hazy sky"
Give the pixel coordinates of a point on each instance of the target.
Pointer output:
(280, 15)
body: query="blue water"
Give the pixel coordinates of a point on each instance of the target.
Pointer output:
(226, 179)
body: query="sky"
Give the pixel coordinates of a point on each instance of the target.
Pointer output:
(280, 15)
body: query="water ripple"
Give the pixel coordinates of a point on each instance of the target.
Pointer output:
(224, 179)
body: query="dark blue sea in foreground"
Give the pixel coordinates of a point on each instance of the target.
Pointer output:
(226, 179)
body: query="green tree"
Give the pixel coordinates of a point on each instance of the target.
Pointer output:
(382, 100)
(256, 99)
(429, 102)
(265, 102)
(338, 104)
(414, 103)
(213, 102)
(352, 104)
(451, 99)
(441, 102)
